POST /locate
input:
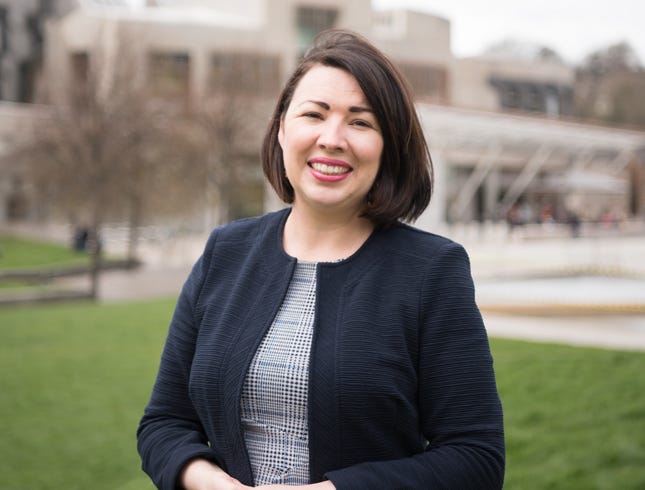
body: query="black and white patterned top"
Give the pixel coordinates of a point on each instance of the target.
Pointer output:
(274, 397)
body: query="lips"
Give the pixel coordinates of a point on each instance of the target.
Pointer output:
(329, 169)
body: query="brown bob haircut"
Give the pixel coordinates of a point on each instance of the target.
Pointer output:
(403, 185)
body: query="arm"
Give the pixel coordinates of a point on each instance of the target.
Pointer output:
(459, 408)
(170, 433)
(323, 485)
(200, 474)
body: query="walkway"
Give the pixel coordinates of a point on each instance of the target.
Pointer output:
(494, 259)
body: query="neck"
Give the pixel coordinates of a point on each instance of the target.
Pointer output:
(324, 238)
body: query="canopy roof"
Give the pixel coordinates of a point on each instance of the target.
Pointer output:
(573, 155)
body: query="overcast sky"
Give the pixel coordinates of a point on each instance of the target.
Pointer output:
(573, 28)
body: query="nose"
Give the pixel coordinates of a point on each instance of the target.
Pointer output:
(332, 136)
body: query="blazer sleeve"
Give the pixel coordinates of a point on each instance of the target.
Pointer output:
(170, 433)
(459, 407)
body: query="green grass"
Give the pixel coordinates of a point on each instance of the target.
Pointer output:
(75, 379)
(20, 253)
(574, 417)
(15, 284)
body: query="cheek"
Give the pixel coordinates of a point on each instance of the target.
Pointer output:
(378, 145)
(371, 150)
(291, 140)
(376, 155)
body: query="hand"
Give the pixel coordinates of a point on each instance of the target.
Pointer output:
(200, 474)
(323, 485)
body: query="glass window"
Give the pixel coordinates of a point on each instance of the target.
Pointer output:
(310, 21)
(534, 99)
(80, 66)
(168, 74)
(244, 73)
(511, 97)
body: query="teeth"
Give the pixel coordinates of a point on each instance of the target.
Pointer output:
(329, 169)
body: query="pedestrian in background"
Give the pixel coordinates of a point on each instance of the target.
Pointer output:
(330, 345)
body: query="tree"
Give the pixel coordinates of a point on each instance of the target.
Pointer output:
(99, 152)
(612, 59)
(222, 136)
(609, 86)
(120, 142)
(514, 49)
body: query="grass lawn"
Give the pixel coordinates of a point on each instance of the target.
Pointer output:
(76, 378)
(574, 417)
(19, 253)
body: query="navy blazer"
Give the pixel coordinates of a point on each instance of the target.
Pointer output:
(402, 393)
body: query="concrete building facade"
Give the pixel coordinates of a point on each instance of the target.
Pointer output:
(20, 47)
(21, 44)
(494, 84)
(485, 117)
(188, 51)
(195, 39)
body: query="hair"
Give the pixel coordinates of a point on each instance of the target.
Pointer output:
(403, 185)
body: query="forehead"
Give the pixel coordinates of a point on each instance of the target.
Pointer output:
(328, 84)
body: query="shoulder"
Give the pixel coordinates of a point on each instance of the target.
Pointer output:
(246, 233)
(245, 238)
(404, 239)
(248, 229)
(407, 255)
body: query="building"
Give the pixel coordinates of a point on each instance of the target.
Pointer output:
(16, 198)
(188, 47)
(21, 44)
(21, 53)
(20, 48)
(188, 53)
(512, 84)
(494, 123)
(509, 142)
(488, 163)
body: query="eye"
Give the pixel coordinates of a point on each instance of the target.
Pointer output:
(362, 123)
(312, 115)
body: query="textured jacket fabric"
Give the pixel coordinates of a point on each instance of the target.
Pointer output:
(402, 393)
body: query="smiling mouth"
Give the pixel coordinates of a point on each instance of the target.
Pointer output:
(327, 169)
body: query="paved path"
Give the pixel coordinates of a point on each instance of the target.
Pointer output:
(142, 284)
(167, 267)
(495, 256)
(610, 331)
(584, 316)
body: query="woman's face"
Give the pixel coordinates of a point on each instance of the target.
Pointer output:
(331, 142)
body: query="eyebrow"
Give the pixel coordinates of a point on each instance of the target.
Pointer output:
(326, 106)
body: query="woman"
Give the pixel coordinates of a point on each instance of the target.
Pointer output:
(328, 345)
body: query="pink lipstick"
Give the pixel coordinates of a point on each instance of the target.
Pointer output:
(329, 169)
